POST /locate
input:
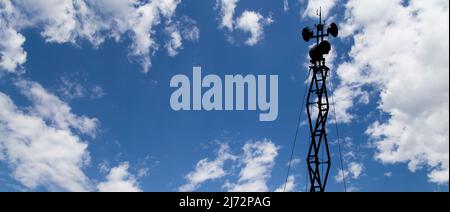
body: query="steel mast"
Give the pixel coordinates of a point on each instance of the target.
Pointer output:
(318, 106)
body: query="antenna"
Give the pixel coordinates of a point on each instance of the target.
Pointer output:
(317, 106)
(320, 15)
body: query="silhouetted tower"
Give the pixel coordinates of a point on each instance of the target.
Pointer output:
(318, 106)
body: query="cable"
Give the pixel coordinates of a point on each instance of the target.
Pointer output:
(339, 140)
(307, 169)
(296, 134)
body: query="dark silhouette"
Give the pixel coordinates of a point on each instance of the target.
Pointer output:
(317, 106)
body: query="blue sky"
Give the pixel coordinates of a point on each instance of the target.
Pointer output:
(140, 143)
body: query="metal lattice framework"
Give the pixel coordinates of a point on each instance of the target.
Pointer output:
(318, 107)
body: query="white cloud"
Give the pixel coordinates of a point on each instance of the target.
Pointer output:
(39, 143)
(353, 167)
(59, 16)
(402, 51)
(184, 29)
(192, 33)
(43, 144)
(12, 54)
(294, 162)
(254, 164)
(70, 89)
(253, 23)
(143, 172)
(188, 28)
(249, 21)
(258, 160)
(63, 21)
(388, 174)
(104, 167)
(289, 186)
(54, 111)
(227, 8)
(341, 175)
(144, 19)
(97, 92)
(286, 5)
(354, 171)
(344, 97)
(314, 5)
(174, 43)
(119, 179)
(208, 170)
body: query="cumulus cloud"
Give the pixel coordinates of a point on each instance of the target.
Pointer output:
(12, 54)
(258, 160)
(54, 111)
(227, 8)
(253, 23)
(400, 52)
(119, 179)
(289, 186)
(255, 165)
(250, 22)
(62, 21)
(341, 175)
(354, 171)
(208, 170)
(175, 42)
(184, 29)
(344, 98)
(353, 163)
(41, 143)
(44, 144)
